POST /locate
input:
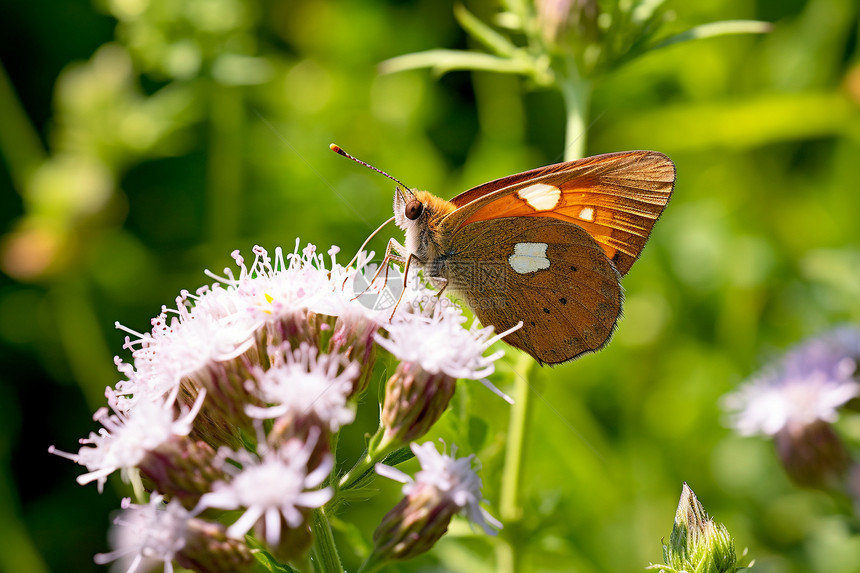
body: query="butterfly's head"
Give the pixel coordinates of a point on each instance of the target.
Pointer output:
(408, 208)
(420, 215)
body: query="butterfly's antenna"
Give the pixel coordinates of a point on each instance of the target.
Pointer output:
(405, 189)
(340, 151)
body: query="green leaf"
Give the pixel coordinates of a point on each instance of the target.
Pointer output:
(266, 559)
(444, 61)
(399, 456)
(714, 29)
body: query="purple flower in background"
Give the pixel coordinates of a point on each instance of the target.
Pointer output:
(796, 400)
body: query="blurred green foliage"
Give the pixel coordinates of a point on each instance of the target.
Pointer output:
(143, 140)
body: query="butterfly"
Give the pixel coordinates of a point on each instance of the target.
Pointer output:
(545, 247)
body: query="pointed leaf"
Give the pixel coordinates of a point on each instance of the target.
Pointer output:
(723, 28)
(443, 61)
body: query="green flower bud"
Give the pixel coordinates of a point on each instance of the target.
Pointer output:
(414, 400)
(697, 543)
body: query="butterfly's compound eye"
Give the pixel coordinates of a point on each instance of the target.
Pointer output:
(414, 209)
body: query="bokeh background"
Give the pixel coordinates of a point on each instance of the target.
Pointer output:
(144, 140)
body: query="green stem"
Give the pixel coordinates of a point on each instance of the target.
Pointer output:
(19, 141)
(507, 553)
(372, 565)
(378, 448)
(324, 549)
(358, 471)
(577, 97)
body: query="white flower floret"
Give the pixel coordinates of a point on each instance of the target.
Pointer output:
(126, 438)
(211, 326)
(808, 385)
(218, 322)
(270, 486)
(272, 288)
(144, 535)
(301, 382)
(442, 344)
(454, 479)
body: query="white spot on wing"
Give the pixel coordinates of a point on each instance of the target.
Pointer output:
(540, 196)
(529, 258)
(587, 214)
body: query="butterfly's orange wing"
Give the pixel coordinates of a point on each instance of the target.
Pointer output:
(616, 198)
(548, 273)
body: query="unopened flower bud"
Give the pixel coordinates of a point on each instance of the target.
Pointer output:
(414, 525)
(291, 328)
(354, 337)
(307, 428)
(209, 549)
(697, 542)
(181, 469)
(567, 22)
(222, 418)
(414, 400)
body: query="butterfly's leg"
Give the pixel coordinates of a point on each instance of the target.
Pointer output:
(441, 290)
(408, 263)
(438, 295)
(400, 251)
(393, 254)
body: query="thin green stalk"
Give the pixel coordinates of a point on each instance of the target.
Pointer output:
(324, 550)
(577, 98)
(507, 553)
(378, 447)
(372, 565)
(358, 471)
(19, 141)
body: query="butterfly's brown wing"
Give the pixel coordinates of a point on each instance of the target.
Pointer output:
(548, 273)
(616, 198)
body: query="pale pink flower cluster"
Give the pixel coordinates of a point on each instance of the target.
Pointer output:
(231, 401)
